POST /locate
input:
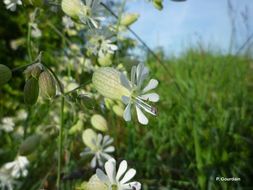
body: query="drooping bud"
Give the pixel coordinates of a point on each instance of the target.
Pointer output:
(95, 184)
(5, 74)
(107, 82)
(47, 85)
(29, 145)
(33, 70)
(158, 4)
(88, 137)
(31, 91)
(72, 8)
(129, 19)
(99, 122)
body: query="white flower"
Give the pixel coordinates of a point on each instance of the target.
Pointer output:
(7, 124)
(6, 180)
(36, 32)
(138, 95)
(12, 4)
(100, 149)
(18, 167)
(88, 15)
(119, 180)
(67, 22)
(101, 46)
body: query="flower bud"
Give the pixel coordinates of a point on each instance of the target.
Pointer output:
(158, 4)
(47, 85)
(118, 110)
(129, 19)
(107, 82)
(72, 8)
(31, 91)
(5, 74)
(95, 184)
(105, 60)
(89, 136)
(99, 122)
(29, 145)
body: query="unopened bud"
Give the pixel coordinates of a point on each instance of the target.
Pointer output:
(72, 8)
(31, 91)
(47, 85)
(29, 145)
(5, 74)
(158, 4)
(105, 60)
(129, 19)
(99, 122)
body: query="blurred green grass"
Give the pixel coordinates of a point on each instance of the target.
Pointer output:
(204, 126)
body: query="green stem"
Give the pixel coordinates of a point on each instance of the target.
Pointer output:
(60, 144)
(27, 121)
(29, 43)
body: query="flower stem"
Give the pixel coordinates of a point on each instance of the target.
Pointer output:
(29, 43)
(60, 144)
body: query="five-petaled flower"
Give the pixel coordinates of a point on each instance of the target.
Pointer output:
(101, 147)
(119, 180)
(138, 96)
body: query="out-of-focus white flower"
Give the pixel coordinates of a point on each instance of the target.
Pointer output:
(7, 182)
(101, 147)
(22, 114)
(119, 180)
(138, 95)
(18, 167)
(89, 13)
(12, 4)
(36, 32)
(67, 22)
(7, 124)
(101, 46)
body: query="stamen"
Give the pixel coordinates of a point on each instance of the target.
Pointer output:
(148, 108)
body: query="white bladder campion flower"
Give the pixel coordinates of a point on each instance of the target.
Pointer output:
(7, 124)
(67, 22)
(6, 180)
(99, 146)
(18, 167)
(119, 180)
(86, 10)
(12, 4)
(113, 84)
(101, 46)
(139, 96)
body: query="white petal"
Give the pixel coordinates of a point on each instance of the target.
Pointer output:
(99, 139)
(109, 141)
(152, 97)
(93, 162)
(127, 113)
(133, 75)
(133, 185)
(141, 117)
(122, 169)
(101, 175)
(110, 169)
(128, 176)
(109, 149)
(106, 156)
(125, 100)
(124, 81)
(151, 85)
